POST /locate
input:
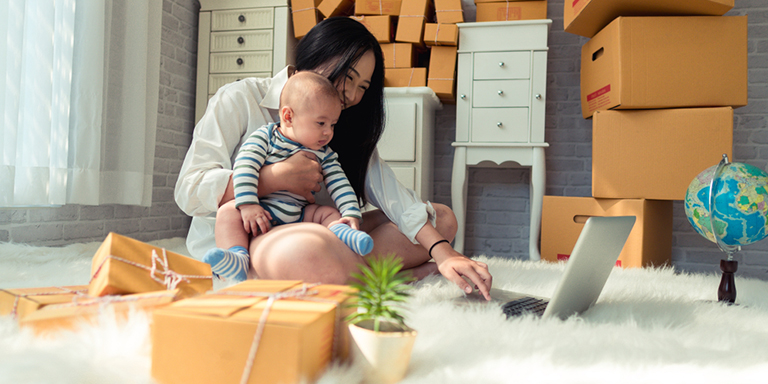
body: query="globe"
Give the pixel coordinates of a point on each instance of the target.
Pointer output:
(741, 204)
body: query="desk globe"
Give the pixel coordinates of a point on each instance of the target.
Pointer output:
(733, 216)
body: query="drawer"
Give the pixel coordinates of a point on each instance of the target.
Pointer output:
(405, 174)
(502, 65)
(504, 93)
(500, 125)
(216, 81)
(251, 40)
(251, 61)
(253, 18)
(398, 141)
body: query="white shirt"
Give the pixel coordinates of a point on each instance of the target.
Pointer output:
(233, 113)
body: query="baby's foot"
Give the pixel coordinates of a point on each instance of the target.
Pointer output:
(231, 264)
(359, 241)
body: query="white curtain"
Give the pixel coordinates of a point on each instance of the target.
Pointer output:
(79, 84)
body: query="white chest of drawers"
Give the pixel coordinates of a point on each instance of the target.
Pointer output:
(501, 95)
(240, 38)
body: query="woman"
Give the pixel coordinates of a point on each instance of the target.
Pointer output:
(343, 50)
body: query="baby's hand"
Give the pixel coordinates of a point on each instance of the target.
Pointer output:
(254, 218)
(353, 222)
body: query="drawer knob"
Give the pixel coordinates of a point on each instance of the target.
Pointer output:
(501, 63)
(463, 96)
(501, 92)
(240, 40)
(499, 124)
(538, 96)
(241, 18)
(239, 61)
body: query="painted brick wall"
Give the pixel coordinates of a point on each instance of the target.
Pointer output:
(80, 223)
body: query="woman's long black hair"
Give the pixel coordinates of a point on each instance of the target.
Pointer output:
(345, 40)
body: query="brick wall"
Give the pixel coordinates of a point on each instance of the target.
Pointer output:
(80, 223)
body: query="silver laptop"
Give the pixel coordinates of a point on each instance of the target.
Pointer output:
(586, 271)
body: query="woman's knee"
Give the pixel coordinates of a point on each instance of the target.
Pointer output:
(446, 223)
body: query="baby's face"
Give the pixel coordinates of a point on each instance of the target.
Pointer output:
(313, 123)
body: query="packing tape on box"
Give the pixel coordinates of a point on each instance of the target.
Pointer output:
(450, 10)
(170, 278)
(77, 293)
(302, 293)
(437, 32)
(303, 9)
(103, 301)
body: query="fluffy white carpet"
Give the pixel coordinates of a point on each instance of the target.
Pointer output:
(648, 326)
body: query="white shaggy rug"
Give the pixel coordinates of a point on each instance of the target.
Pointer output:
(649, 326)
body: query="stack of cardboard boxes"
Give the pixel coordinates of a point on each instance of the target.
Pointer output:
(659, 79)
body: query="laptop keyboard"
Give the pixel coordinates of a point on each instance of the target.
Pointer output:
(525, 305)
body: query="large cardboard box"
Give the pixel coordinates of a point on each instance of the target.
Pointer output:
(654, 154)
(19, 302)
(123, 265)
(377, 7)
(449, 11)
(381, 27)
(649, 242)
(398, 55)
(207, 339)
(305, 15)
(331, 8)
(513, 10)
(665, 62)
(441, 34)
(442, 72)
(587, 17)
(410, 23)
(405, 77)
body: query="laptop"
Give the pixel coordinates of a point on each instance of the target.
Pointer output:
(586, 271)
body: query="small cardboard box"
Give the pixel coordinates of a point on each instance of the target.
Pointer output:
(587, 17)
(654, 154)
(442, 71)
(19, 302)
(665, 62)
(305, 15)
(441, 34)
(377, 7)
(379, 26)
(123, 265)
(449, 11)
(207, 339)
(331, 8)
(405, 77)
(649, 242)
(513, 10)
(398, 55)
(410, 24)
(68, 316)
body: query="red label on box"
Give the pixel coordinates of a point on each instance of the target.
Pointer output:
(599, 92)
(599, 98)
(576, 4)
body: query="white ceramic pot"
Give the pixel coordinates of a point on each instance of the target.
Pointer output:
(385, 355)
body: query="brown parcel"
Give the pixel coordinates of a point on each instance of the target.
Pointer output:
(123, 265)
(410, 24)
(398, 55)
(506, 11)
(379, 26)
(649, 242)
(654, 154)
(665, 62)
(449, 11)
(587, 17)
(330, 8)
(305, 15)
(442, 72)
(441, 34)
(377, 7)
(18, 302)
(296, 343)
(405, 77)
(68, 316)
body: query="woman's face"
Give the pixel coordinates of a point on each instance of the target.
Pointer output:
(352, 87)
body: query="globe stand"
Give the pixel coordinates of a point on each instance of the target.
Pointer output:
(726, 292)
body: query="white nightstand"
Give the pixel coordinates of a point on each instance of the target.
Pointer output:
(501, 98)
(240, 38)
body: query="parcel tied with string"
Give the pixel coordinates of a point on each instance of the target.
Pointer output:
(19, 302)
(258, 331)
(123, 265)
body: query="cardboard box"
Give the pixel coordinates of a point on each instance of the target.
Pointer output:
(305, 15)
(207, 339)
(665, 62)
(513, 10)
(398, 55)
(442, 72)
(19, 302)
(654, 154)
(331, 8)
(69, 316)
(587, 17)
(123, 265)
(649, 242)
(405, 77)
(441, 34)
(380, 26)
(377, 7)
(410, 24)
(449, 11)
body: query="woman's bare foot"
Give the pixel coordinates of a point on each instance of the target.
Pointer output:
(424, 270)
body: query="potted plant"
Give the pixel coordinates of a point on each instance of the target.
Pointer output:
(381, 341)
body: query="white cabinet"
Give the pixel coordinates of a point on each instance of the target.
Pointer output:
(407, 144)
(501, 95)
(240, 38)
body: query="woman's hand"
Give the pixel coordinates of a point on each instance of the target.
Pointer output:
(300, 174)
(456, 267)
